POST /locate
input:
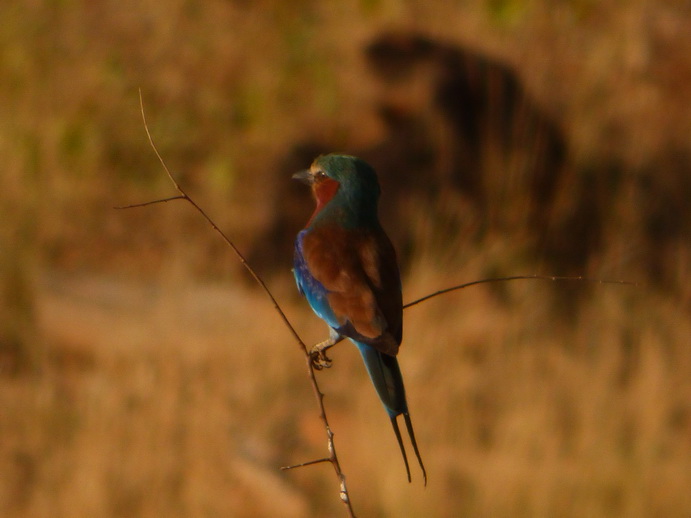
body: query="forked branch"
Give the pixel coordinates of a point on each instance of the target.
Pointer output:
(333, 457)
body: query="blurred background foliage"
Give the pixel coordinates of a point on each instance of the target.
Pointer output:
(142, 375)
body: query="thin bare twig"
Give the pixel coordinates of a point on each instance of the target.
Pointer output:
(327, 361)
(332, 458)
(516, 278)
(135, 205)
(308, 463)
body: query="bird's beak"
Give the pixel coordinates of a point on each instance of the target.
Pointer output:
(304, 176)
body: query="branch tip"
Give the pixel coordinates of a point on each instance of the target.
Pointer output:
(308, 463)
(153, 202)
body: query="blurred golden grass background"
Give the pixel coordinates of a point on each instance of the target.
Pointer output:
(140, 375)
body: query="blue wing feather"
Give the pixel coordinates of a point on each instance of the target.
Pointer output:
(313, 290)
(382, 369)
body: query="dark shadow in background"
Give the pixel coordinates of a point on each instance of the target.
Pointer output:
(470, 149)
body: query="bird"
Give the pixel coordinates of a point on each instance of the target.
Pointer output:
(345, 266)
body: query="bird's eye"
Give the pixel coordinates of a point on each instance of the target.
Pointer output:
(319, 175)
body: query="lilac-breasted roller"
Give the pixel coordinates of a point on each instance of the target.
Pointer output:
(345, 265)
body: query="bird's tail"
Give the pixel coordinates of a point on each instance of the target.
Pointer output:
(386, 377)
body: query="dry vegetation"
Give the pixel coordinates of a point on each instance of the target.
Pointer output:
(141, 376)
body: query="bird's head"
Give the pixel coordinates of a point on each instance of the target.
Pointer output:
(345, 183)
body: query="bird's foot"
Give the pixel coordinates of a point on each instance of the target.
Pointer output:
(318, 353)
(319, 359)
